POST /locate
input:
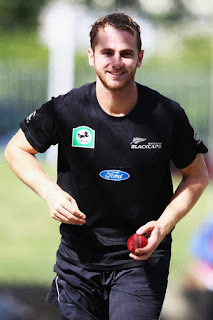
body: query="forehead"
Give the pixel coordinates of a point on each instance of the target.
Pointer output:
(112, 37)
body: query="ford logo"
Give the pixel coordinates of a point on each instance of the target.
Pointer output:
(114, 175)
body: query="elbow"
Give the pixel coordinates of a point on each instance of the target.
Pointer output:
(6, 152)
(205, 174)
(205, 177)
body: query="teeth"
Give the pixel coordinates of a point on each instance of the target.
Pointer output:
(116, 74)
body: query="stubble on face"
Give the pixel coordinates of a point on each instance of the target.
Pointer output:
(114, 83)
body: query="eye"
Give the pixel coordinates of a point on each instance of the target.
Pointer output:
(127, 54)
(107, 53)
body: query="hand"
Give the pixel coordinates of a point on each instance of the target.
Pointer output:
(156, 235)
(64, 208)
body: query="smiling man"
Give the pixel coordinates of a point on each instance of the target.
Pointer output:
(115, 139)
(116, 64)
(115, 54)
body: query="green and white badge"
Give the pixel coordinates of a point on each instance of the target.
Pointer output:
(83, 137)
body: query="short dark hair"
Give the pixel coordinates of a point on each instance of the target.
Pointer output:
(117, 20)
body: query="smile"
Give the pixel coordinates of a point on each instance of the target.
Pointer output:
(116, 74)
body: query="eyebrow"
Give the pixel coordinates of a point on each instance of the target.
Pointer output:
(110, 49)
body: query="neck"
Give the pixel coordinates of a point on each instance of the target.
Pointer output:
(118, 102)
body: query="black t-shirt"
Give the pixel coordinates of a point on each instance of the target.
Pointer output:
(116, 168)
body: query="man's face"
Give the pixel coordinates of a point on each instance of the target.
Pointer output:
(115, 58)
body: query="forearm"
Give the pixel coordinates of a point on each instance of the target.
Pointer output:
(195, 179)
(22, 160)
(185, 197)
(27, 168)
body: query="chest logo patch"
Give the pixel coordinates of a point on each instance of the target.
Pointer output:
(83, 137)
(114, 175)
(142, 143)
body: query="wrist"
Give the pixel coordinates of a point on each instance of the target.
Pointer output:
(49, 189)
(166, 225)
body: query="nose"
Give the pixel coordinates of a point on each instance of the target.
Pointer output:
(117, 61)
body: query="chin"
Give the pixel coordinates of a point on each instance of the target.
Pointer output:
(113, 85)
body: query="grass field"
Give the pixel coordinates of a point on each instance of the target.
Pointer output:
(29, 237)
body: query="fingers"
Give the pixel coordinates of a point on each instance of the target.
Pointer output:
(151, 229)
(139, 257)
(62, 215)
(143, 253)
(147, 228)
(66, 210)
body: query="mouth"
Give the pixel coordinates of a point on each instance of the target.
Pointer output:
(116, 74)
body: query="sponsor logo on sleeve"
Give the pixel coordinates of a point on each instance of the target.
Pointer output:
(83, 137)
(141, 143)
(197, 138)
(114, 175)
(29, 118)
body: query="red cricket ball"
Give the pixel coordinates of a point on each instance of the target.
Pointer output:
(136, 241)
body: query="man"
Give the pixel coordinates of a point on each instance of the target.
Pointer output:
(115, 142)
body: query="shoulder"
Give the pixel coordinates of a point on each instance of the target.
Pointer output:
(81, 92)
(155, 96)
(74, 96)
(159, 102)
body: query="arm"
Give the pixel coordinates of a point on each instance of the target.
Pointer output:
(22, 160)
(194, 181)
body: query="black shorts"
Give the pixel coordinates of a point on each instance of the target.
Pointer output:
(135, 293)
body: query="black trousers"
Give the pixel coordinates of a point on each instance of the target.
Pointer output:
(135, 293)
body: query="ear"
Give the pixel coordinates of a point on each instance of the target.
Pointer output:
(91, 57)
(140, 58)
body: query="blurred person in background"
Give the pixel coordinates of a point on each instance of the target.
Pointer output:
(10, 309)
(115, 139)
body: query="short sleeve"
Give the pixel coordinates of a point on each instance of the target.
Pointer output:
(40, 127)
(186, 142)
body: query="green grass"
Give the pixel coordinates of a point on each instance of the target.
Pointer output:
(29, 237)
(181, 258)
(23, 46)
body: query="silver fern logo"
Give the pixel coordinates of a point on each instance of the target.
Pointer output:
(137, 140)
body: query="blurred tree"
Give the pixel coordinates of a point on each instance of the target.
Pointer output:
(174, 13)
(19, 13)
(24, 13)
(158, 11)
